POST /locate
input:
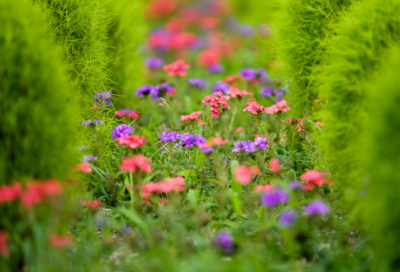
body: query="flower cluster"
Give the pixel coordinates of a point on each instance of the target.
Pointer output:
(236, 92)
(162, 90)
(91, 204)
(207, 147)
(83, 167)
(259, 143)
(220, 86)
(295, 121)
(313, 178)
(154, 63)
(177, 68)
(224, 241)
(137, 162)
(144, 90)
(170, 136)
(198, 83)
(121, 131)
(250, 74)
(128, 112)
(132, 141)
(275, 197)
(89, 158)
(189, 140)
(103, 97)
(215, 101)
(244, 174)
(280, 106)
(253, 106)
(90, 122)
(193, 116)
(169, 185)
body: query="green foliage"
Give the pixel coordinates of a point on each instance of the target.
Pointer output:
(37, 116)
(255, 11)
(301, 29)
(381, 154)
(363, 37)
(126, 36)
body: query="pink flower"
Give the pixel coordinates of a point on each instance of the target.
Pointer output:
(59, 241)
(233, 80)
(166, 186)
(208, 57)
(10, 192)
(132, 141)
(4, 249)
(92, 204)
(239, 130)
(192, 116)
(137, 162)
(215, 100)
(177, 68)
(274, 165)
(213, 141)
(236, 92)
(83, 167)
(299, 128)
(244, 174)
(313, 178)
(253, 107)
(280, 106)
(35, 192)
(319, 123)
(263, 188)
(127, 112)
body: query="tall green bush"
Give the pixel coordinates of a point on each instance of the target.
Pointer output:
(364, 35)
(381, 157)
(126, 35)
(37, 124)
(301, 28)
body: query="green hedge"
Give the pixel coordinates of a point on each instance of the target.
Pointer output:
(381, 157)
(301, 28)
(364, 35)
(37, 124)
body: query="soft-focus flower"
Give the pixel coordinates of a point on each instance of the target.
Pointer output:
(215, 101)
(261, 143)
(251, 74)
(318, 100)
(239, 130)
(154, 63)
(316, 207)
(313, 178)
(207, 147)
(59, 241)
(170, 136)
(189, 140)
(83, 167)
(224, 242)
(247, 146)
(246, 30)
(208, 57)
(236, 92)
(193, 116)
(103, 97)
(177, 68)
(127, 112)
(280, 106)
(220, 86)
(215, 68)
(98, 121)
(166, 186)
(91, 204)
(253, 107)
(319, 123)
(144, 90)
(263, 188)
(132, 141)
(121, 131)
(286, 218)
(275, 197)
(198, 83)
(244, 174)
(137, 162)
(87, 123)
(126, 229)
(161, 7)
(161, 90)
(4, 248)
(274, 165)
(10, 192)
(295, 185)
(35, 192)
(267, 91)
(96, 107)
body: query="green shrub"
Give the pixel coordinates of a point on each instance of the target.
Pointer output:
(364, 35)
(302, 26)
(381, 153)
(37, 124)
(126, 36)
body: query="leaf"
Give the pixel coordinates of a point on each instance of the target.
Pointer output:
(200, 161)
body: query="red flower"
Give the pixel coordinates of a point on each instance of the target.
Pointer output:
(137, 162)
(213, 141)
(4, 249)
(208, 57)
(92, 204)
(313, 178)
(192, 116)
(280, 106)
(177, 68)
(263, 188)
(236, 92)
(274, 165)
(215, 100)
(132, 114)
(165, 186)
(253, 107)
(35, 192)
(239, 130)
(132, 141)
(182, 40)
(10, 192)
(244, 174)
(59, 241)
(171, 92)
(83, 167)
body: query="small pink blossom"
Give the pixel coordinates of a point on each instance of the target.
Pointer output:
(263, 188)
(193, 116)
(177, 68)
(244, 174)
(137, 162)
(319, 123)
(215, 100)
(253, 107)
(274, 165)
(280, 106)
(236, 92)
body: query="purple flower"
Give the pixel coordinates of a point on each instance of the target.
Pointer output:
(250, 74)
(189, 140)
(154, 63)
(170, 136)
(98, 121)
(286, 218)
(220, 87)
(126, 229)
(89, 158)
(145, 90)
(88, 122)
(261, 143)
(247, 146)
(198, 83)
(295, 185)
(207, 150)
(316, 207)
(267, 91)
(215, 68)
(161, 90)
(121, 131)
(245, 30)
(276, 197)
(224, 241)
(103, 96)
